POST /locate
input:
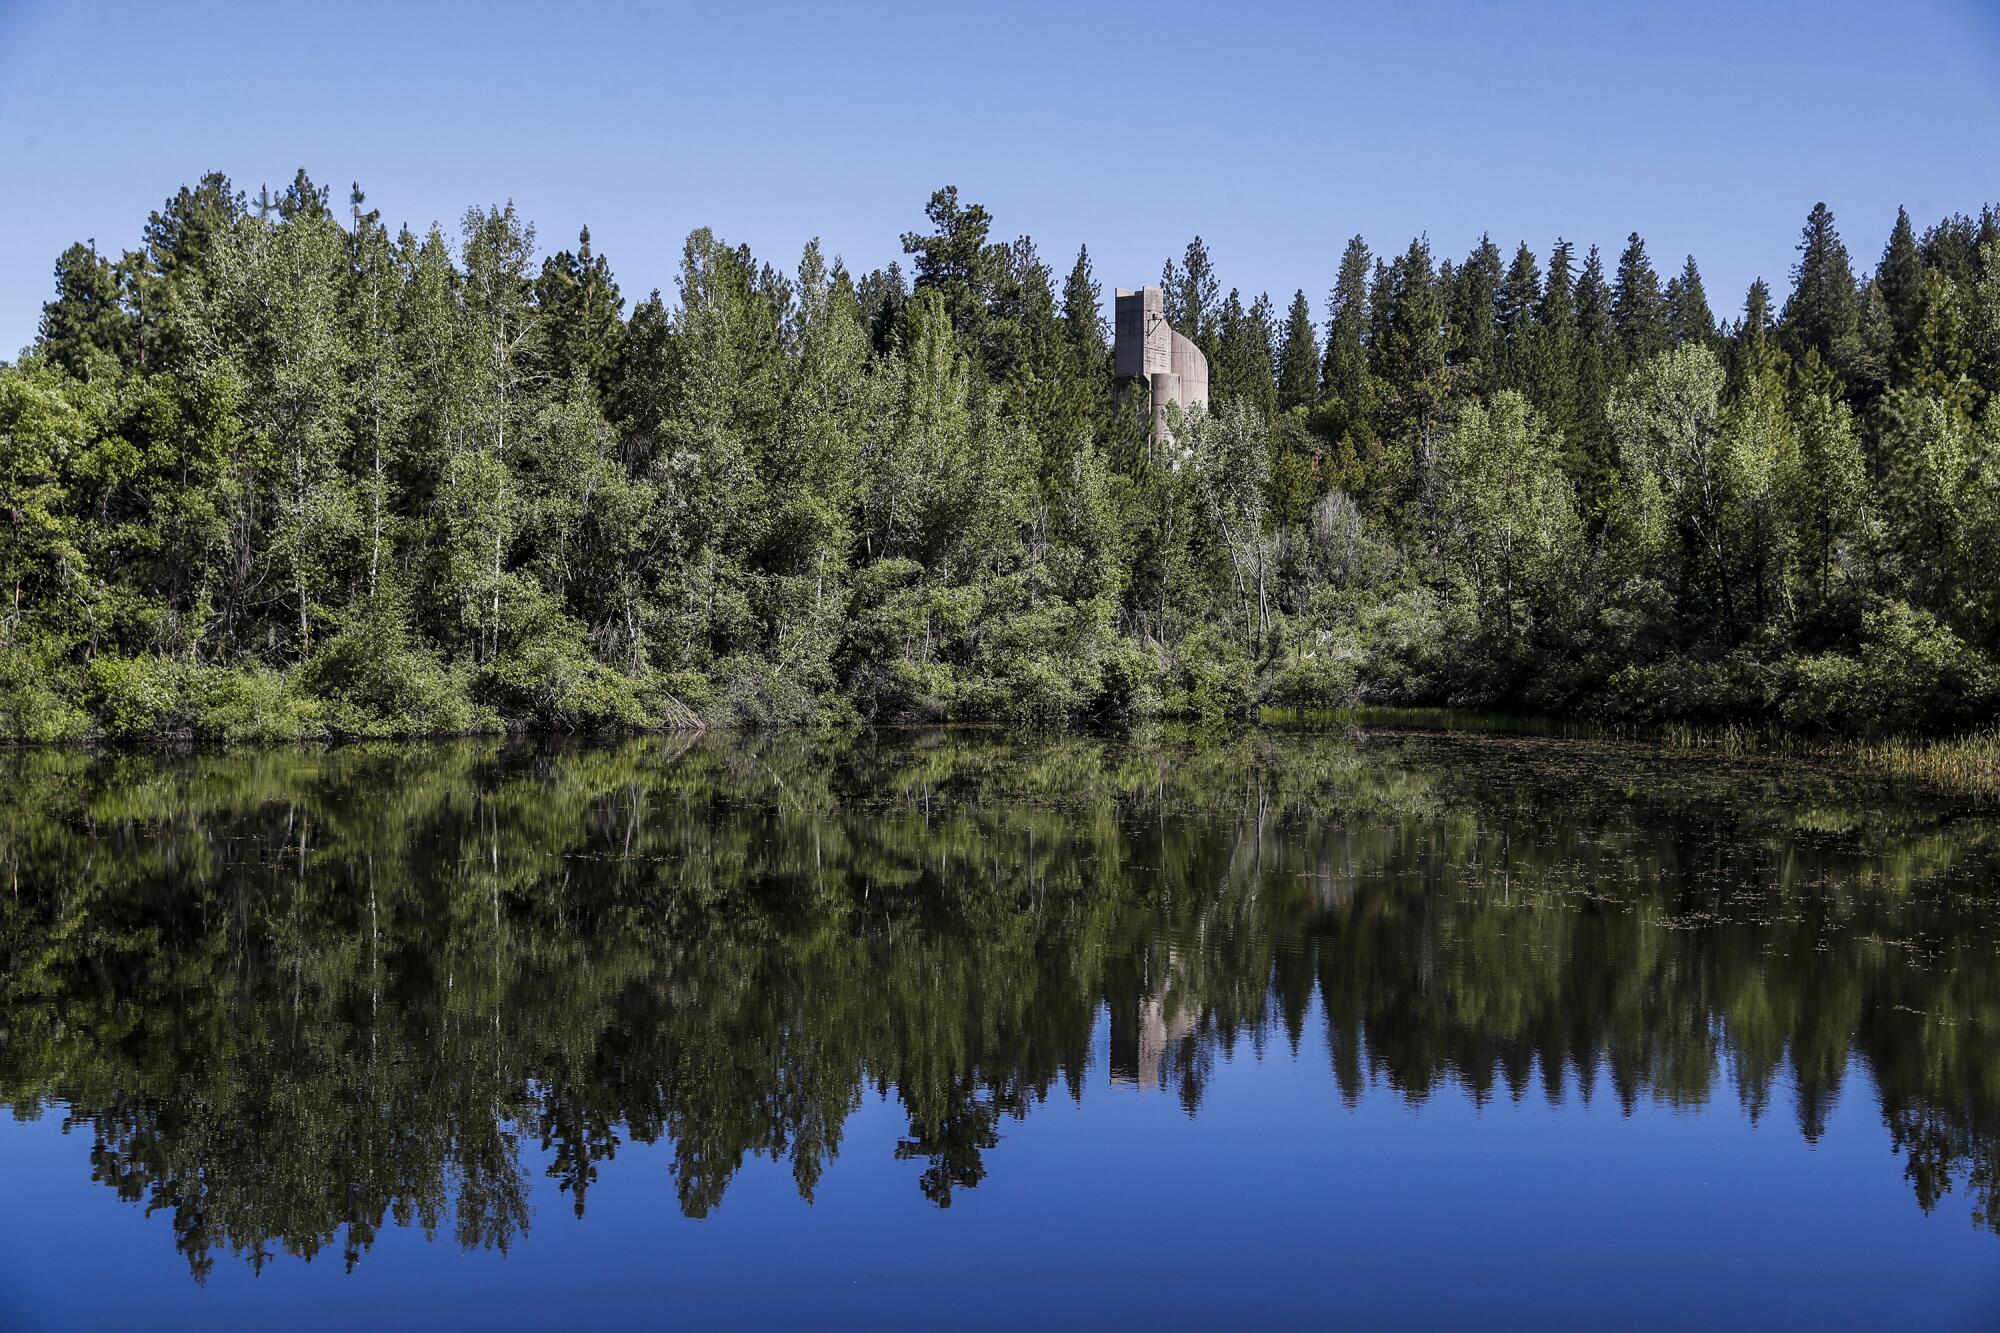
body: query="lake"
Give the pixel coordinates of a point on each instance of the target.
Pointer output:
(1167, 1030)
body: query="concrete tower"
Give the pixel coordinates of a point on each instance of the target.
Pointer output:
(1149, 353)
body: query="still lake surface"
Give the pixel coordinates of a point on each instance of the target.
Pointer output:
(1358, 1027)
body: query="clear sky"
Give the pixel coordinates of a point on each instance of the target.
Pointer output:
(1274, 130)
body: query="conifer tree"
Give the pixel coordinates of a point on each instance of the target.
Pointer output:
(1553, 386)
(1753, 344)
(583, 314)
(1034, 356)
(881, 296)
(1347, 317)
(1189, 293)
(1083, 314)
(1690, 321)
(1823, 313)
(1262, 344)
(86, 325)
(1599, 362)
(1476, 352)
(1952, 244)
(1519, 297)
(1638, 311)
(1901, 279)
(1345, 415)
(1982, 318)
(1409, 364)
(1298, 358)
(955, 260)
(1241, 370)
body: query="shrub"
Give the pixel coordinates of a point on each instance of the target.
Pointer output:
(1911, 675)
(136, 697)
(755, 692)
(1215, 676)
(250, 705)
(1689, 690)
(1128, 683)
(1321, 672)
(39, 698)
(375, 678)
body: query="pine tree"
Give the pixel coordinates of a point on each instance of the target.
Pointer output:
(1690, 322)
(639, 383)
(1519, 297)
(1477, 353)
(1599, 360)
(304, 199)
(1083, 314)
(1982, 317)
(882, 295)
(1638, 311)
(1035, 361)
(1241, 370)
(1553, 385)
(1345, 415)
(1952, 246)
(954, 260)
(1189, 291)
(1347, 320)
(583, 314)
(1753, 350)
(1941, 355)
(172, 265)
(1409, 363)
(1823, 313)
(1298, 358)
(1901, 277)
(86, 327)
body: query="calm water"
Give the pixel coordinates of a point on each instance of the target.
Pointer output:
(1361, 1028)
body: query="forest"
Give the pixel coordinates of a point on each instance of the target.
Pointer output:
(279, 472)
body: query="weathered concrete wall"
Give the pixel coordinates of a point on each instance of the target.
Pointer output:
(1144, 344)
(1147, 351)
(1191, 367)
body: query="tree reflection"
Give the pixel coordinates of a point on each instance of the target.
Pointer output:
(293, 996)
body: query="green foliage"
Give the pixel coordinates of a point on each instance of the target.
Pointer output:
(282, 473)
(1211, 676)
(375, 678)
(1911, 675)
(134, 697)
(1322, 672)
(39, 696)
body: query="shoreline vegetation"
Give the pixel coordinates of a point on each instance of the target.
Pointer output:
(281, 473)
(1966, 765)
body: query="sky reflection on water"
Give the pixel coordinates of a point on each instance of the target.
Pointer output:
(1381, 1027)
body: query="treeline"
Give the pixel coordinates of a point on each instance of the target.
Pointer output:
(279, 471)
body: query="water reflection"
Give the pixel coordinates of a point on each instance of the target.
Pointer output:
(292, 997)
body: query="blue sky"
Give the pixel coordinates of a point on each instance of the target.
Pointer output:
(1274, 130)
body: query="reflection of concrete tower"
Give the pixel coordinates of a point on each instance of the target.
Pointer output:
(1141, 1038)
(1149, 352)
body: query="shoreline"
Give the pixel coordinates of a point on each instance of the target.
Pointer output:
(1968, 763)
